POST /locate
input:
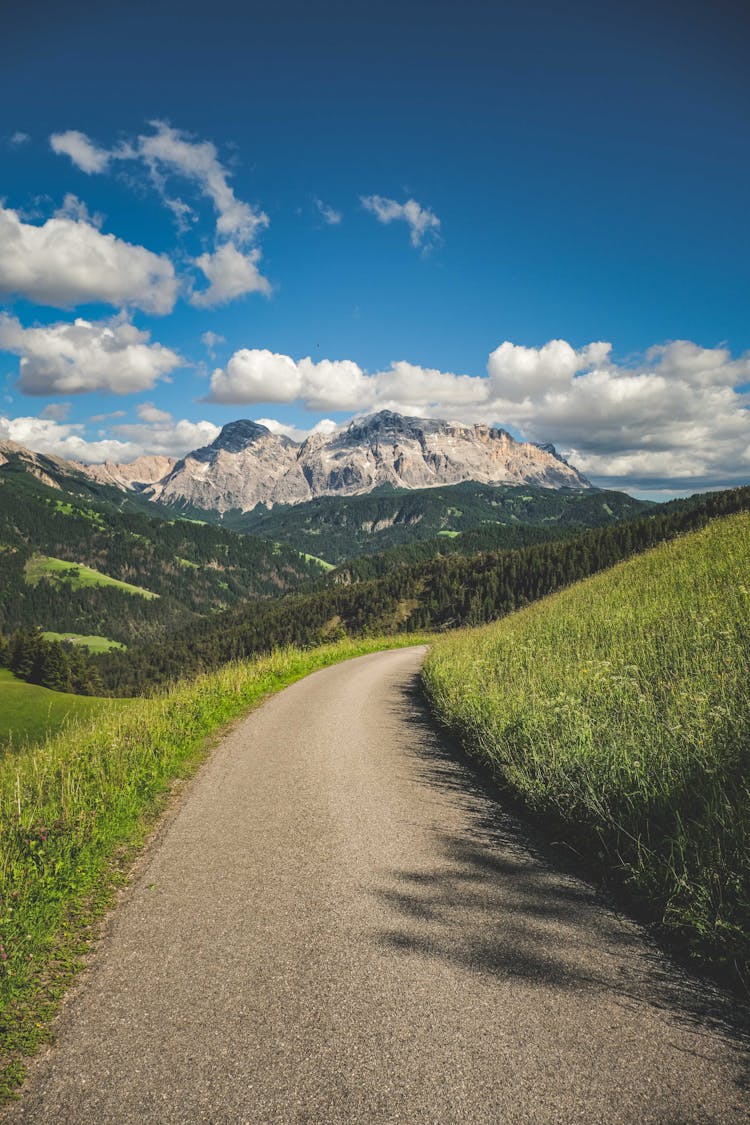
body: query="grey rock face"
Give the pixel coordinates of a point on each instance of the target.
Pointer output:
(247, 464)
(133, 476)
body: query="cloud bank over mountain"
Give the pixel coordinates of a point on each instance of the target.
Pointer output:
(680, 412)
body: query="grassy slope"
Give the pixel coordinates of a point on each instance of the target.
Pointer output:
(28, 713)
(79, 576)
(71, 809)
(93, 643)
(619, 710)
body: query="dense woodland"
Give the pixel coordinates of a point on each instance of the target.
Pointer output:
(439, 594)
(343, 527)
(195, 569)
(51, 664)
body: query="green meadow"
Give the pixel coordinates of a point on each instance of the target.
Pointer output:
(619, 712)
(92, 643)
(29, 713)
(61, 570)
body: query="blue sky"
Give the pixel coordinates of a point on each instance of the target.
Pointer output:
(421, 195)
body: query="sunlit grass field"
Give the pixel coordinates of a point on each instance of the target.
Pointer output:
(28, 713)
(94, 643)
(61, 570)
(619, 711)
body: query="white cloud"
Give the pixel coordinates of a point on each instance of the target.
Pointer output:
(67, 358)
(211, 341)
(165, 437)
(298, 433)
(67, 262)
(57, 411)
(125, 442)
(170, 151)
(232, 273)
(257, 375)
(147, 412)
(330, 216)
(106, 417)
(679, 415)
(424, 225)
(18, 139)
(63, 440)
(86, 155)
(232, 268)
(518, 371)
(75, 209)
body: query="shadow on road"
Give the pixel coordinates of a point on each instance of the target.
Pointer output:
(501, 900)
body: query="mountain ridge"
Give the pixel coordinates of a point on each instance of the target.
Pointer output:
(247, 464)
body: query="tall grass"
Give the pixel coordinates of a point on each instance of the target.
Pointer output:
(73, 809)
(619, 710)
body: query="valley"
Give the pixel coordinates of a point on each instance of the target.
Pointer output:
(132, 630)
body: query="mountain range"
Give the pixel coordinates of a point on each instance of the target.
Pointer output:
(248, 464)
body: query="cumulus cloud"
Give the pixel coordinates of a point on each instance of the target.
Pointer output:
(67, 261)
(158, 433)
(231, 273)
(424, 225)
(86, 155)
(45, 435)
(256, 375)
(111, 356)
(679, 417)
(298, 433)
(163, 436)
(329, 215)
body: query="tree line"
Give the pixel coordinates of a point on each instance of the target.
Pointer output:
(51, 664)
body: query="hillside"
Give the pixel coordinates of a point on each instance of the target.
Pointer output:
(73, 561)
(339, 528)
(619, 710)
(440, 594)
(28, 712)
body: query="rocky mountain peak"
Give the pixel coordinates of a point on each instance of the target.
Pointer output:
(387, 424)
(236, 436)
(548, 447)
(248, 464)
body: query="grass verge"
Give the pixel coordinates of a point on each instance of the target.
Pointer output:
(619, 711)
(74, 810)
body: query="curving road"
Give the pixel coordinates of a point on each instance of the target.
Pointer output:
(341, 925)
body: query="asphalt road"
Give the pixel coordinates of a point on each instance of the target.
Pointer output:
(340, 924)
